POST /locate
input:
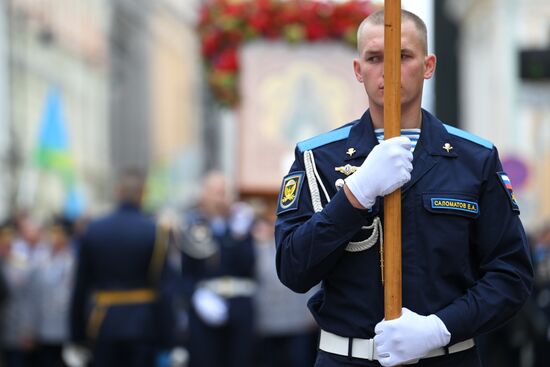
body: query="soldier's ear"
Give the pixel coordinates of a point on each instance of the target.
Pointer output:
(357, 70)
(429, 65)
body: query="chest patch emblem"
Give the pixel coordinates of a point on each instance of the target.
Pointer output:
(507, 185)
(290, 192)
(455, 204)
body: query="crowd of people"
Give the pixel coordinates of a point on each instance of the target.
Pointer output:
(77, 293)
(37, 265)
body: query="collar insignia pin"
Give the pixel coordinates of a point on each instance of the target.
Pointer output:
(447, 147)
(351, 151)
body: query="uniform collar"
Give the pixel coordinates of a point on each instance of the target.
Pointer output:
(435, 144)
(127, 206)
(434, 138)
(361, 139)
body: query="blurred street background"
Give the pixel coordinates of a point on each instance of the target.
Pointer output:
(178, 88)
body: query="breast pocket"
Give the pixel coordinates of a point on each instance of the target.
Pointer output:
(444, 228)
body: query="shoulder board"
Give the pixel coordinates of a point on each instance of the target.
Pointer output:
(324, 139)
(466, 135)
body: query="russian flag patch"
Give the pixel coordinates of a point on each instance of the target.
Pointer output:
(507, 185)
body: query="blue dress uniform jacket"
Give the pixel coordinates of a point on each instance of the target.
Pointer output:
(114, 256)
(464, 250)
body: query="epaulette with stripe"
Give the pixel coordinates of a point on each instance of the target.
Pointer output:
(468, 136)
(326, 138)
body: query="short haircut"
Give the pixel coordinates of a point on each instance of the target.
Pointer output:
(131, 182)
(377, 18)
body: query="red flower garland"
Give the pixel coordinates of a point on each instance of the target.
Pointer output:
(225, 24)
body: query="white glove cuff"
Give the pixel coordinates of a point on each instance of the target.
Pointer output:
(444, 336)
(364, 198)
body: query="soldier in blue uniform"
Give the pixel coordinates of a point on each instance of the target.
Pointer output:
(116, 307)
(466, 268)
(218, 268)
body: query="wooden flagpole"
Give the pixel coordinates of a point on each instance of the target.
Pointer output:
(392, 128)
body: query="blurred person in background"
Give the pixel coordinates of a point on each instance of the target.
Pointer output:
(515, 343)
(218, 270)
(6, 239)
(22, 252)
(174, 299)
(524, 340)
(287, 333)
(30, 242)
(541, 295)
(115, 306)
(51, 291)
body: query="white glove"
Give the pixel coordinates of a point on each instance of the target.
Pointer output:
(210, 307)
(76, 355)
(409, 338)
(387, 168)
(242, 216)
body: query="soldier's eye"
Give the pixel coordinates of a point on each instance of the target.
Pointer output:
(374, 59)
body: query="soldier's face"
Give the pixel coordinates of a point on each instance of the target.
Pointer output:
(215, 198)
(415, 64)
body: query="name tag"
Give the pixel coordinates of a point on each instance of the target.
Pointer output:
(455, 204)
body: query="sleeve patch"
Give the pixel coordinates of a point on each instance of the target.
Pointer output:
(507, 185)
(290, 192)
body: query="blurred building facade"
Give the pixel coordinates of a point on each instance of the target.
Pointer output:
(128, 78)
(131, 85)
(57, 45)
(156, 89)
(5, 177)
(177, 88)
(497, 101)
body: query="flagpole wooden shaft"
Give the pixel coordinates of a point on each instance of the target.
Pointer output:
(392, 128)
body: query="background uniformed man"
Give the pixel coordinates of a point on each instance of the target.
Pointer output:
(466, 268)
(115, 307)
(218, 268)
